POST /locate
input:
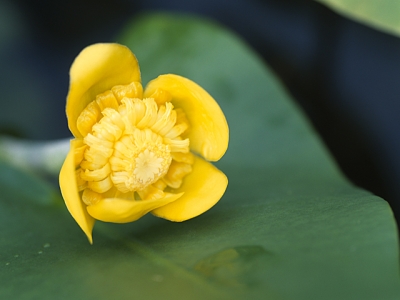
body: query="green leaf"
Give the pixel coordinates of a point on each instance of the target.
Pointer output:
(26, 186)
(381, 15)
(290, 226)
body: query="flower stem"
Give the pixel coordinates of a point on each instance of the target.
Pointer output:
(45, 157)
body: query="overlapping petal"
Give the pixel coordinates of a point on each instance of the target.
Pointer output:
(202, 190)
(69, 191)
(98, 68)
(209, 133)
(123, 211)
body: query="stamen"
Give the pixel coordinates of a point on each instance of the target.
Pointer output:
(176, 173)
(139, 109)
(177, 130)
(160, 184)
(79, 152)
(96, 175)
(118, 163)
(150, 115)
(181, 126)
(94, 156)
(151, 192)
(128, 114)
(114, 118)
(160, 96)
(89, 197)
(90, 165)
(187, 158)
(101, 186)
(101, 145)
(106, 100)
(82, 184)
(88, 117)
(97, 146)
(166, 119)
(135, 150)
(178, 145)
(114, 129)
(133, 90)
(139, 160)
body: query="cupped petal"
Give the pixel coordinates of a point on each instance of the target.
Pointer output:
(209, 132)
(124, 210)
(69, 191)
(202, 188)
(97, 69)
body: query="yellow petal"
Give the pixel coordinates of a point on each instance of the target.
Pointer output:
(202, 189)
(97, 69)
(208, 133)
(69, 191)
(123, 211)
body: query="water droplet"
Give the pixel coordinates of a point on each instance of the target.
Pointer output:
(7, 264)
(158, 278)
(47, 245)
(40, 252)
(16, 255)
(241, 266)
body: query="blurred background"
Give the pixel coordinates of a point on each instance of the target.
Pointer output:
(341, 73)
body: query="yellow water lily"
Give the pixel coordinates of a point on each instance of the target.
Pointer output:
(137, 151)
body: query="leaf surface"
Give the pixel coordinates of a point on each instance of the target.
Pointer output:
(290, 226)
(381, 15)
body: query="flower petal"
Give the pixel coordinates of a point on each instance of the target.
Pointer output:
(203, 188)
(96, 69)
(209, 132)
(123, 211)
(69, 191)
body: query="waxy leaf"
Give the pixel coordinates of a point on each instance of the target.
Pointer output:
(289, 226)
(381, 15)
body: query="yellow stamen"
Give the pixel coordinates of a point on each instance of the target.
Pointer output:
(90, 197)
(160, 96)
(82, 184)
(150, 115)
(101, 186)
(151, 192)
(187, 158)
(166, 119)
(136, 148)
(139, 160)
(106, 100)
(176, 173)
(96, 175)
(178, 145)
(133, 90)
(79, 153)
(88, 117)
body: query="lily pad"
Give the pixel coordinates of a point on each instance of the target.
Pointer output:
(381, 15)
(290, 226)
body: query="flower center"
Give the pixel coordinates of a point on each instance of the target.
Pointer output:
(131, 145)
(140, 159)
(149, 166)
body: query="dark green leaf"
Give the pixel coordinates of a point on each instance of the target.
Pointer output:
(381, 15)
(289, 226)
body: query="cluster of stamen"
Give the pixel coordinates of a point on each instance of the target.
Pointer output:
(133, 147)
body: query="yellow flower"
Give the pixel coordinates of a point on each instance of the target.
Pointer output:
(137, 151)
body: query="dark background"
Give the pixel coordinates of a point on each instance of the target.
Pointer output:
(343, 74)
